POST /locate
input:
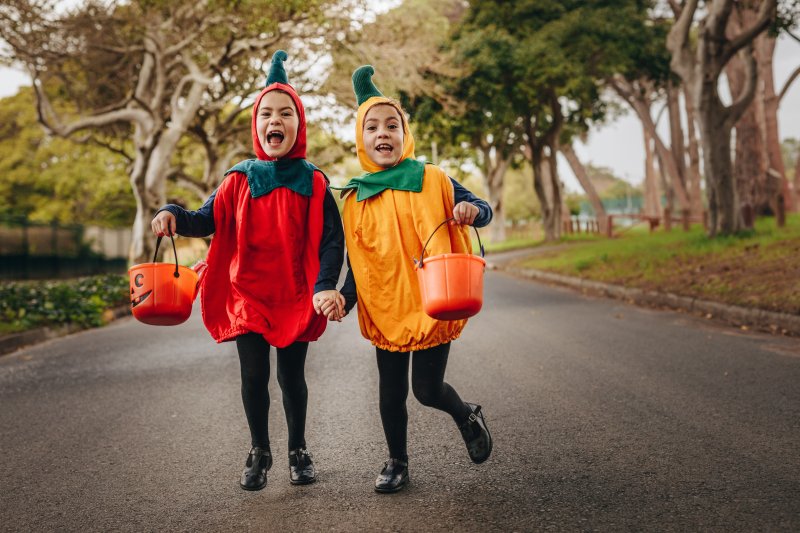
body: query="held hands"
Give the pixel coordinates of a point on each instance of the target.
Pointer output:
(331, 304)
(465, 213)
(163, 224)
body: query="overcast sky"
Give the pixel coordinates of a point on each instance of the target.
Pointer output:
(617, 145)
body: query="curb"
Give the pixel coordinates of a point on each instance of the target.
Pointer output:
(15, 341)
(777, 323)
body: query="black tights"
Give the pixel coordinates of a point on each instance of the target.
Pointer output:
(254, 361)
(427, 382)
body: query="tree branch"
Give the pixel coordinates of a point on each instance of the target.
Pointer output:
(108, 146)
(765, 17)
(788, 83)
(50, 120)
(737, 108)
(678, 41)
(716, 21)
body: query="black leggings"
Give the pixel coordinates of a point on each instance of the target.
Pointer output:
(254, 361)
(427, 382)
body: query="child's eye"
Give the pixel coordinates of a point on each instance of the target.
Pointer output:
(371, 128)
(287, 114)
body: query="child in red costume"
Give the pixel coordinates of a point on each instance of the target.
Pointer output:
(276, 255)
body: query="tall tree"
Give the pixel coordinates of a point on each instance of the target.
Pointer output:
(700, 67)
(547, 77)
(45, 178)
(144, 71)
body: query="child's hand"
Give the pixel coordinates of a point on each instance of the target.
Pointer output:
(465, 213)
(330, 303)
(163, 224)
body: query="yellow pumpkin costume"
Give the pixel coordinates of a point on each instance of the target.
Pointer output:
(384, 233)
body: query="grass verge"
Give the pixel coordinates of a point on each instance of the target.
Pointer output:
(759, 269)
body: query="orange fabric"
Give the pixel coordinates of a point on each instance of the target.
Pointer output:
(383, 235)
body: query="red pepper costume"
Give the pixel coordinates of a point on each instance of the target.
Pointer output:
(264, 257)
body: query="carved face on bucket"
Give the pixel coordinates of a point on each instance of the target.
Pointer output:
(141, 288)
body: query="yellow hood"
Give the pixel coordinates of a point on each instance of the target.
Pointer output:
(408, 140)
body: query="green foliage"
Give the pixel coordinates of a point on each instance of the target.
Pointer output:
(46, 178)
(25, 305)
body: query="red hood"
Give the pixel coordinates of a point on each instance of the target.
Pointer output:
(298, 151)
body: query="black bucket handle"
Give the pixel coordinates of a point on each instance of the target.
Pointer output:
(451, 219)
(174, 250)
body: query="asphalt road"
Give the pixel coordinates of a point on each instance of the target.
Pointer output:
(604, 416)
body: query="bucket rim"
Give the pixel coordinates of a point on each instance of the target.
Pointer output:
(443, 257)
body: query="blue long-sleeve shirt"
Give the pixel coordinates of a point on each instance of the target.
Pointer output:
(461, 194)
(200, 223)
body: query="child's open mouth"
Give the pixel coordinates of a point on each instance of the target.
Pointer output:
(274, 138)
(384, 149)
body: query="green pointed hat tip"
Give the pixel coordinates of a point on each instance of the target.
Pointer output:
(362, 84)
(277, 74)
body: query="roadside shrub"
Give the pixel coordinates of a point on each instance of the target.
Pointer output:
(82, 301)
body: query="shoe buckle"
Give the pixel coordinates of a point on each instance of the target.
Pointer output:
(473, 417)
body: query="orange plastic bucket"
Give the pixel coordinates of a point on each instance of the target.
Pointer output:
(451, 285)
(162, 293)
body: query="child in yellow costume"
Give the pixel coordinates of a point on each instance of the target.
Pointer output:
(388, 215)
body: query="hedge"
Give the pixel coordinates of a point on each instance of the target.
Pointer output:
(82, 301)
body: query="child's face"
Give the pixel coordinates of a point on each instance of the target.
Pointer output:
(383, 135)
(277, 123)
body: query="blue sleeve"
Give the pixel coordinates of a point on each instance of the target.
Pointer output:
(331, 247)
(198, 223)
(461, 194)
(349, 289)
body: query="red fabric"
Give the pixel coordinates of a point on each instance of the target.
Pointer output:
(262, 268)
(264, 257)
(298, 151)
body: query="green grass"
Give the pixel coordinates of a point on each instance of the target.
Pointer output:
(505, 246)
(759, 268)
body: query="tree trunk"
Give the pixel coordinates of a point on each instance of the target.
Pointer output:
(750, 166)
(637, 98)
(693, 174)
(797, 177)
(535, 143)
(493, 170)
(556, 191)
(676, 133)
(652, 204)
(765, 50)
(586, 183)
(723, 200)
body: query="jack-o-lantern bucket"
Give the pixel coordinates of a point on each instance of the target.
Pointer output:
(162, 293)
(451, 285)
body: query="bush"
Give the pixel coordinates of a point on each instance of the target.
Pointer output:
(82, 302)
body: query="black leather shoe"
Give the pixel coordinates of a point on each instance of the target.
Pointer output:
(254, 476)
(394, 476)
(476, 435)
(301, 468)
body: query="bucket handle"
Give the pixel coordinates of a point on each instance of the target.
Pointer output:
(155, 255)
(451, 219)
